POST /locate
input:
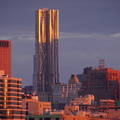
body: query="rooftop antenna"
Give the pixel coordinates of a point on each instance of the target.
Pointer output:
(102, 63)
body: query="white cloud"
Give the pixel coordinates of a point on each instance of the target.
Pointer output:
(115, 35)
(79, 35)
(67, 35)
(22, 36)
(72, 35)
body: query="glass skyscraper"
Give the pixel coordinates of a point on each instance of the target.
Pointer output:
(46, 53)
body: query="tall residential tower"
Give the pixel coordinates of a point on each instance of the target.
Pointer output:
(46, 53)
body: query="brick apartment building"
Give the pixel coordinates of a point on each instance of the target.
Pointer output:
(103, 83)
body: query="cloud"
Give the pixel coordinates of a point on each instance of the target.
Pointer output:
(79, 35)
(19, 36)
(115, 35)
(68, 35)
(30, 35)
(72, 35)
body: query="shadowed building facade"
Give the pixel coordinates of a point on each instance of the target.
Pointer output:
(5, 57)
(46, 53)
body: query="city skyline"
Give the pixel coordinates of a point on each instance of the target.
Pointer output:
(89, 31)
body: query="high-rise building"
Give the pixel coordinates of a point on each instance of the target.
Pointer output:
(46, 53)
(103, 83)
(5, 57)
(11, 99)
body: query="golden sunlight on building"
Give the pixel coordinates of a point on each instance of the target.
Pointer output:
(33, 106)
(11, 99)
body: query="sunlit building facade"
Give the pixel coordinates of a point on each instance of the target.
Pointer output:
(103, 83)
(5, 57)
(33, 106)
(11, 99)
(46, 53)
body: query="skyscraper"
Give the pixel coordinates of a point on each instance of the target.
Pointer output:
(5, 57)
(46, 53)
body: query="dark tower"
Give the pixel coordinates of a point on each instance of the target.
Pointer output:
(46, 53)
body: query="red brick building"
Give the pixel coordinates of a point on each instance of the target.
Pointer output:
(103, 83)
(5, 57)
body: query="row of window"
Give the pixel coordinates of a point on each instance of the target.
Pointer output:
(11, 94)
(11, 103)
(10, 107)
(10, 117)
(11, 81)
(12, 112)
(11, 85)
(4, 43)
(10, 89)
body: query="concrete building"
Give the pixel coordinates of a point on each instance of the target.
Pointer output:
(79, 105)
(11, 99)
(82, 108)
(33, 106)
(64, 93)
(5, 57)
(46, 73)
(85, 100)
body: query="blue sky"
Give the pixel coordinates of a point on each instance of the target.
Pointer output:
(89, 31)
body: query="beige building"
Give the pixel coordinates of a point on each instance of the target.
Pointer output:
(85, 100)
(33, 106)
(11, 99)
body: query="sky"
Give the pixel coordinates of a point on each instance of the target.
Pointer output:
(89, 31)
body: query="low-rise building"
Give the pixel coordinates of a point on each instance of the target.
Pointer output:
(64, 93)
(33, 106)
(105, 105)
(114, 113)
(80, 106)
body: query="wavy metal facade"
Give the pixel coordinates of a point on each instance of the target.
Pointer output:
(46, 51)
